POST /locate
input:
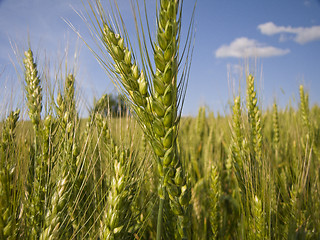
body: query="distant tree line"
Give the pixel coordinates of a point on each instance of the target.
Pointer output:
(110, 104)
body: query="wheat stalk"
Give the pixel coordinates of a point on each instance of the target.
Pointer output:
(38, 168)
(304, 107)
(155, 102)
(215, 194)
(276, 134)
(9, 195)
(237, 152)
(57, 216)
(256, 222)
(69, 159)
(255, 140)
(117, 218)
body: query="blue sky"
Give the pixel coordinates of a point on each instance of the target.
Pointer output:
(276, 40)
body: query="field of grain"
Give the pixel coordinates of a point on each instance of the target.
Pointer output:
(150, 173)
(251, 175)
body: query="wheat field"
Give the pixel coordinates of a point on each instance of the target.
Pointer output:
(148, 172)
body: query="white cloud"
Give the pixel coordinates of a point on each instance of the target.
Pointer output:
(244, 47)
(307, 3)
(235, 69)
(301, 35)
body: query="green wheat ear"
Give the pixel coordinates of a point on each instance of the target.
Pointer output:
(237, 139)
(255, 138)
(276, 130)
(117, 218)
(33, 89)
(215, 194)
(56, 216)
(256, 222)
(304, 107)
(254, 118)
(155, 96)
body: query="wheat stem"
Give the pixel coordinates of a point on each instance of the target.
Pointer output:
(160, 220)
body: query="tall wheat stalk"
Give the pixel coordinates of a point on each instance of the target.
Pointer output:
(37, 184)
(154, 95)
